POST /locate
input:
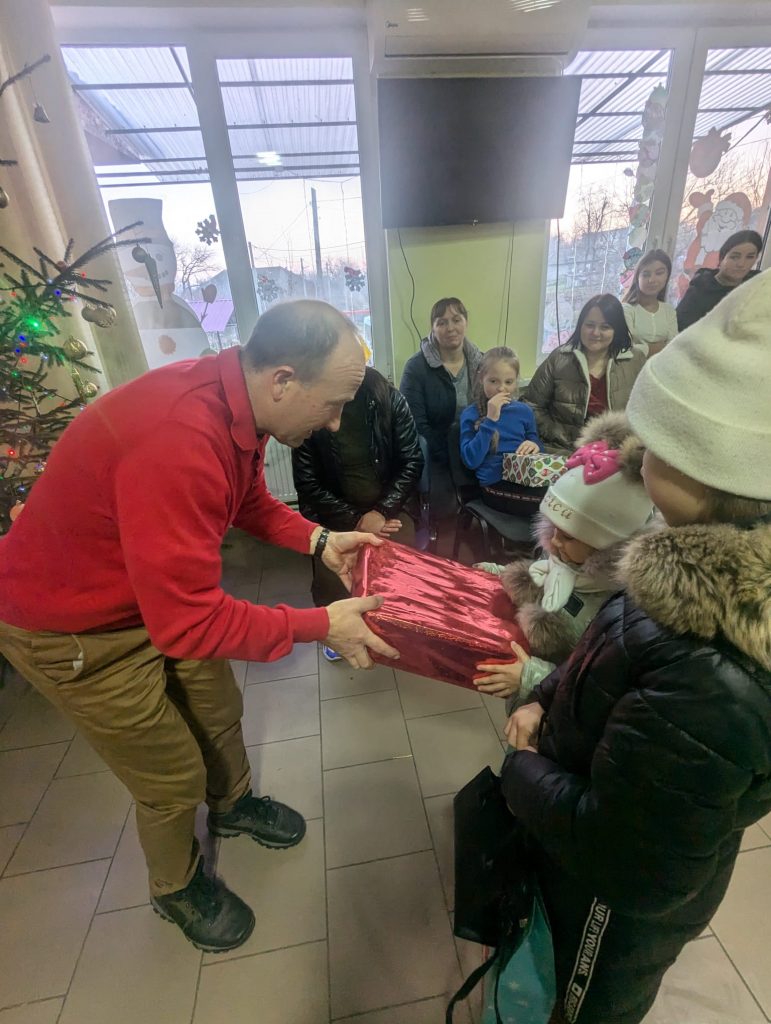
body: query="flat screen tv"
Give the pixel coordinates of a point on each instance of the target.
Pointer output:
(474, 150)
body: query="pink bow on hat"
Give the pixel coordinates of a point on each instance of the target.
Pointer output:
(599, 461)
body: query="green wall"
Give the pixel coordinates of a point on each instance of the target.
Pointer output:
(470, 262)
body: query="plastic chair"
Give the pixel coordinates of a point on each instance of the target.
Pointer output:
(495, 526)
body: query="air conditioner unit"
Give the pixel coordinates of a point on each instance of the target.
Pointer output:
(405, 34)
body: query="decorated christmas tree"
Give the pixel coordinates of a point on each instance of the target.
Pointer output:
(46, 373)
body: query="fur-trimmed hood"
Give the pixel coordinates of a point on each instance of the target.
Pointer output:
(705, 579)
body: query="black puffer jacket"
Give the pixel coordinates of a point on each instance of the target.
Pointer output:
(655, 749)
(704, 293)
(396, 458)
(430, 394)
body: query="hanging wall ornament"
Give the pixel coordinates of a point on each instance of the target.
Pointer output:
(207, 230)
(209, 293)
(140, 255)
(354, 279)
(74, 348)
(102, 316)
(39, 114)
(5, 199)
(708, 152)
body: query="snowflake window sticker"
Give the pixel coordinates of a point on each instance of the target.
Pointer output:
(354, 279)
(207, 229)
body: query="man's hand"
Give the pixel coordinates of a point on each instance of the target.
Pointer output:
(522, 727)
(527, 448)
(495, 404)
(342, 550)
(349, 634)
(375, 522)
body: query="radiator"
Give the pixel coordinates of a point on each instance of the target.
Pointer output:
(278, 472)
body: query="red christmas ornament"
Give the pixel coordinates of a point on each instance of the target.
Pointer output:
(167, 345)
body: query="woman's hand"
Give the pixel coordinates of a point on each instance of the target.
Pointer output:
(522, 727)
(503, 680)
(527, 448)
(375, 522)
(495, 404)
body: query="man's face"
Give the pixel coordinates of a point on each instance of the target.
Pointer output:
(302, 407)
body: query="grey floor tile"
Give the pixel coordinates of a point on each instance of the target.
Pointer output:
(288, 985)
(48, 914)
(338, 679)
(743, 922)
(24, 777)
(704, 988)
(81, 759)
(373, 811)
(421, 696)
(126, 884)
(134, 967)
(450, 749)
(276, 582)
(302, 661)
(765, 824)
(12, 692)
(294, 564)
(282, 709)
(427, 1011)
(9, 838)
(285, 888)
(239, 671)
(45, 1012)
(496, 709)
(388, 933)
(289, 771)
(78, 819)
(35, 721)
(441, 823)
(360, 729)
(754, 837)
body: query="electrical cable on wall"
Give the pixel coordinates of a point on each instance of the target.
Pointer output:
(557, 289)
(412, 297)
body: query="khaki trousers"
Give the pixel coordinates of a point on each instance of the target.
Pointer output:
(169, 729)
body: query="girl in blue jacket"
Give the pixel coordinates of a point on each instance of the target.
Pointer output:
(496, 423)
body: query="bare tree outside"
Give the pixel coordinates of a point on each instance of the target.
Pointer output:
(196, 264)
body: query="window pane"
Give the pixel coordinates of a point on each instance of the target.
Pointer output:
(141, 123)
(603, 233)
(292, 129)
(728, 187)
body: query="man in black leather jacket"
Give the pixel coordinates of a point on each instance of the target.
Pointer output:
(365, 473)
(645, 756)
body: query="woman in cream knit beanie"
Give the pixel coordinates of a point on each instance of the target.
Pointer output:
(643, 758)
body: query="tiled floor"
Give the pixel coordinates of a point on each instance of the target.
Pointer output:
(354, 924)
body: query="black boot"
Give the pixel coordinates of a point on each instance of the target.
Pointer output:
(207, 913)
(268, 822)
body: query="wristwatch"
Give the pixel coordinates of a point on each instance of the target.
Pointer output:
(321, 543)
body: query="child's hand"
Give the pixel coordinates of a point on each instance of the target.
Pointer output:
(527, 448)
(503, 680)
(495, 404)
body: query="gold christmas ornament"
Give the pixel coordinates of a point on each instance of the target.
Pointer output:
(74, 348)
(102, 316)
(4, 198)
(89, 390)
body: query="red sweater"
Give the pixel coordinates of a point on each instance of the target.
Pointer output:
(125, 525)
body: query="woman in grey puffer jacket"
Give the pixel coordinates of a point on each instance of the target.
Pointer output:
(592, 373)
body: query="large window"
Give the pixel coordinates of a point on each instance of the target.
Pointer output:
(619, 131)
(728, 187)
(293, 138)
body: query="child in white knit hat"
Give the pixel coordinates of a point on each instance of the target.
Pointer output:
(586, 518)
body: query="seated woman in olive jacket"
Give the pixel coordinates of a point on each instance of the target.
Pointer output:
(362, 476)
(592, 373)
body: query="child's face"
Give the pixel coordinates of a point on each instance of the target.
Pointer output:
(653, 277)
(568, 549)
(680, 499)
(500, 378)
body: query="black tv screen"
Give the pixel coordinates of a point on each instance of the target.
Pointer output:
(466, 150)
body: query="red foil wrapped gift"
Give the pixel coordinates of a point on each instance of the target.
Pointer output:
(442, 617)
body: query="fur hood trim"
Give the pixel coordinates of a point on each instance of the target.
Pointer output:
(547, 633)
(706, 579)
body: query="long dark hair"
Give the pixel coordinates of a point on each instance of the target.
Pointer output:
(613, 312)
(478, 396)
(632, 296)
(746, 237)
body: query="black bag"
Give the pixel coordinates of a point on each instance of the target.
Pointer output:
(494, 880)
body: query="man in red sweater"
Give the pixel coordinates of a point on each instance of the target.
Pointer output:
(110, 596)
